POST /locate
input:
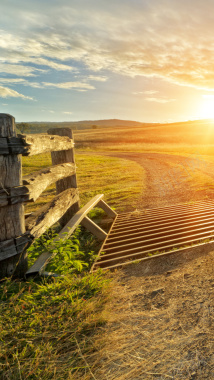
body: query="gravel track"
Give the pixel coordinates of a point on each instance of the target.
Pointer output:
(169, 178)
(161, 320)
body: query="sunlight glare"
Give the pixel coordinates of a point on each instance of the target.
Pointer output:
(207, 107)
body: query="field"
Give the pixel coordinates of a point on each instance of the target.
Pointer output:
(195, 137)
(177, 159)
(130, 324)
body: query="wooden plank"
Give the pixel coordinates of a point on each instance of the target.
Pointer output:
(38, 182)
(93, 228)
(17, 145)
(35, 184)
(42, 143)
(108, 210)
(13, 247)
(45, 257)
(11, 216)
(29, 145)
(15, 195)
(4, 149)
(59, 158)
(7, 249)
(50, 213)
(40, 263)
(80, 215)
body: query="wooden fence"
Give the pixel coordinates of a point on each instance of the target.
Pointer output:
(18, 232)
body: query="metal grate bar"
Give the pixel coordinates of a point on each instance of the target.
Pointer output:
(168, 209)
(163, 234)
(133, 237)
(159, 220)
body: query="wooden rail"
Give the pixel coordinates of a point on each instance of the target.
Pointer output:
(16, 233)
(29, 145)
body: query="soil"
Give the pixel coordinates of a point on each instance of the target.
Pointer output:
(160, 324)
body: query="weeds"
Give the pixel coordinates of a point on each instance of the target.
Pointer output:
(71, 255)
(45, 324)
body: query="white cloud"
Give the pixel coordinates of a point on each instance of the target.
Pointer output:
(19, 70)
(160, 100)
(8, 93)
(52, 64)
(67, 113)
(70, 85)
(208, 96)
(150, 92)
(97, 78)
(169, 39)
(24, 82)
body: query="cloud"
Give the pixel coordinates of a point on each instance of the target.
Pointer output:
(67, 113)
(24, 82)
(97, 78)
(138, 93)
(168, 39)
(70, 85)
(150, 92)
(52, 64)
(207, 96)
(8, 93)
(160, 100)
(19, 70)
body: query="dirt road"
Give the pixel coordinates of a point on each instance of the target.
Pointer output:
(172, 179)
(161, 321)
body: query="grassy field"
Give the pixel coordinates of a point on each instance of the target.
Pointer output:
(47, 326)
(196, 137)
(121, 181)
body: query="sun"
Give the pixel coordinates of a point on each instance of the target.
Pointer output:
(207, 107)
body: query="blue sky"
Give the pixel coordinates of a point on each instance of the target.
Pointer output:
(148, 60)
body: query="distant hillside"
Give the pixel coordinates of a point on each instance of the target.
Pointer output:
(42, 127)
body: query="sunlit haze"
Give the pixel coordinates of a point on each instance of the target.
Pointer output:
(148, 60)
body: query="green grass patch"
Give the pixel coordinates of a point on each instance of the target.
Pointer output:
(47, 325)
(121, 181)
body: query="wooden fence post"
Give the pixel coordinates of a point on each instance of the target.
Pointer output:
(62, 157)
(11, 216)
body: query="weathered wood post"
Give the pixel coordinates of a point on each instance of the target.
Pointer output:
(62, 157)
(12, 224)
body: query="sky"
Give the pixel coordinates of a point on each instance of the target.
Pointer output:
(143, 60)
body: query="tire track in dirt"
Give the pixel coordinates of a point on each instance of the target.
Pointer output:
(169, 178)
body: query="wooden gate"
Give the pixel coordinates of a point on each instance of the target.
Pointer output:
(16, 231)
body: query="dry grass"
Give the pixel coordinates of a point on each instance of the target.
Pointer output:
(161, 324)
(183, 138)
